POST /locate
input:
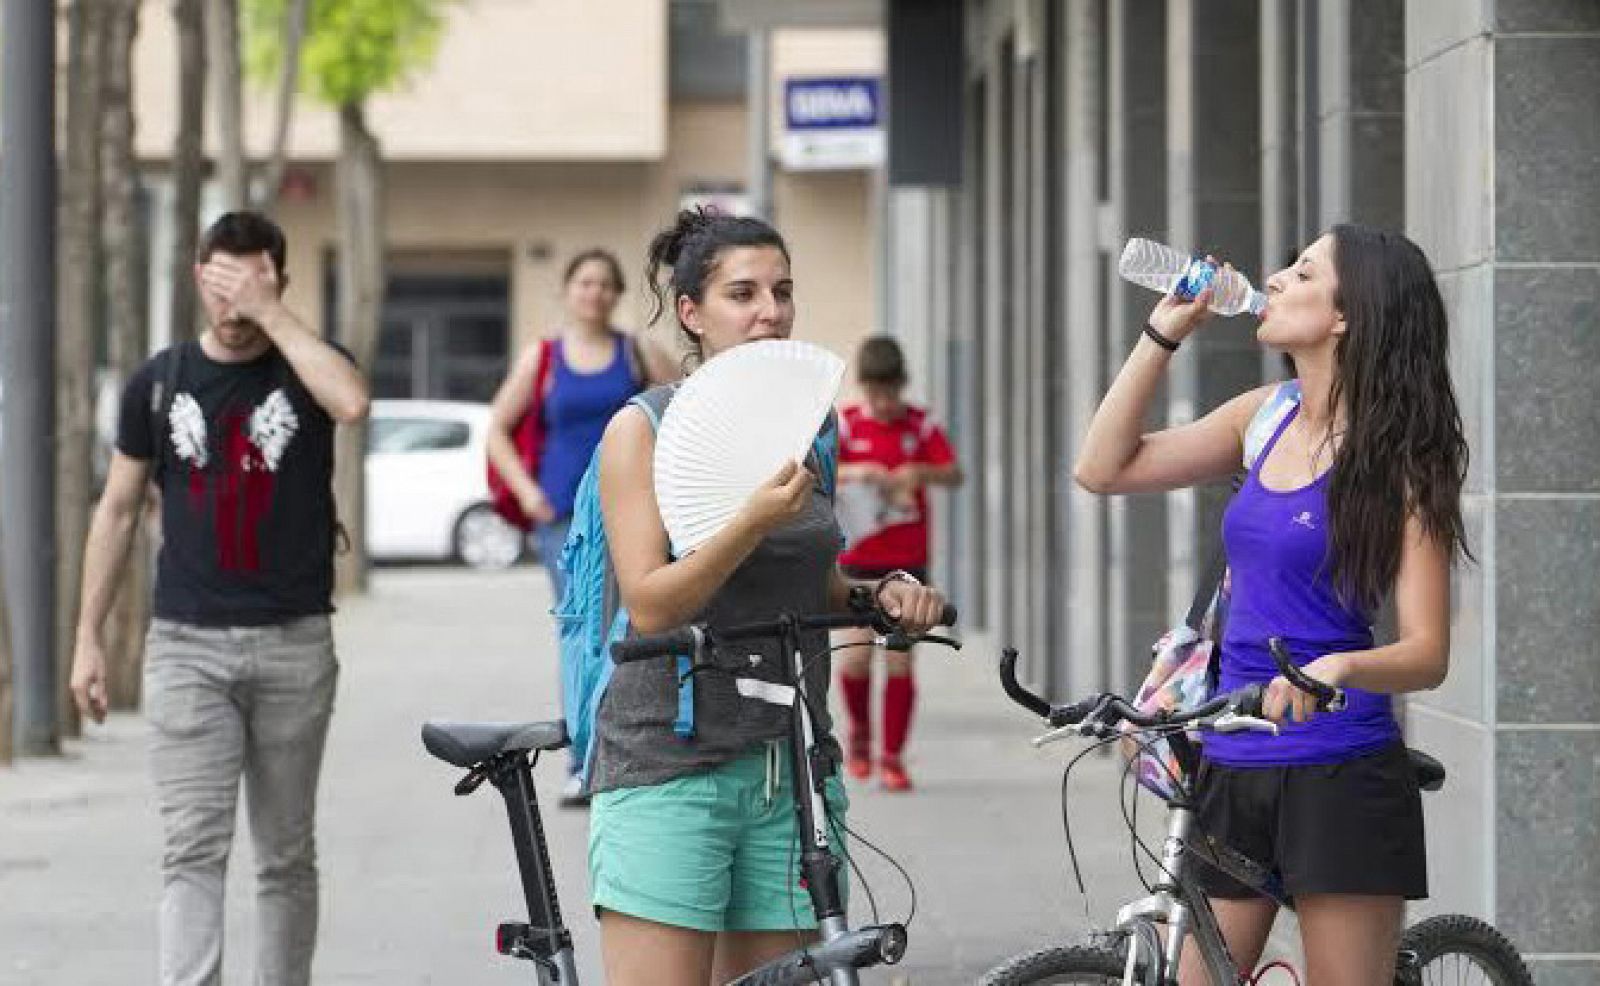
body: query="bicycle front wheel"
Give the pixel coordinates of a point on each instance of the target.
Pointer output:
(1081, 965)
(1457, 950)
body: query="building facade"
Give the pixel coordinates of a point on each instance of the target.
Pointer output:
(1244, 128)
(543, 127)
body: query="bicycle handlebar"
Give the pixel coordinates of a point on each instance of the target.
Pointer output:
(1110, 709)
(692, 638)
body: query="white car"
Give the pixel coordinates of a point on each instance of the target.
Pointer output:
(427, 495)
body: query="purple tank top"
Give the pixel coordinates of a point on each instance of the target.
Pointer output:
(1277, 544)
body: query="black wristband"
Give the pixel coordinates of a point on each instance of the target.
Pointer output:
(1159, 339)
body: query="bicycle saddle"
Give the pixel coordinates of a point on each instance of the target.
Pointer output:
(467, 744)
(1430, 772)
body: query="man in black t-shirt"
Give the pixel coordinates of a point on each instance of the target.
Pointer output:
(235, 430)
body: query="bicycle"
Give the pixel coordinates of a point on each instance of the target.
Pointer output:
(504, 754)
(1136, 952)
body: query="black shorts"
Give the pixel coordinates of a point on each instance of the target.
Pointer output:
(863, 573)
(1344, 828)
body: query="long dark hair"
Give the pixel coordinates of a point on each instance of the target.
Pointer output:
(690, 249)
(1404, 452)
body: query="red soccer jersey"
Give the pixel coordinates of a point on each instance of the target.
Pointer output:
(913, 437)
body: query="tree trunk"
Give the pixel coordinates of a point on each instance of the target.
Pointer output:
(127, 336)
(294, 34)
(187, 161)
(78, 287)
(361, 287)
(227, 71)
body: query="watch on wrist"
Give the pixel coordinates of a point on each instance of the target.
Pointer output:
(898, 575)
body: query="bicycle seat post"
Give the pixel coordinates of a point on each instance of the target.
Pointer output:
(548, 940)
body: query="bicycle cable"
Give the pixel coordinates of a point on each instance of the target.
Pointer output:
(911, 886)
(1145, 739)
(1066, 824)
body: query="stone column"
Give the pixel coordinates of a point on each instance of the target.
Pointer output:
(994, 281)
(1213, 205)
(1502, 192)
(1138, 609)
(1360, 92)
(1280, 147)
(1085, 342)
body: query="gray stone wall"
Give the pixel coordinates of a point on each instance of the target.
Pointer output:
(1503, 191)
(1245, 127)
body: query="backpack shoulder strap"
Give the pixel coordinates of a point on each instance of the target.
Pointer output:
(167, 388)
(826, 449)
(161, 397)
(1256, 435)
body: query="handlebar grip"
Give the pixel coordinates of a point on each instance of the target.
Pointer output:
(1327, 696)
(1020, 695)
(1071, 715)
(947, 617)
(683, 640)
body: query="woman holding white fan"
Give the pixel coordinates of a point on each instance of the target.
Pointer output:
(692, 838)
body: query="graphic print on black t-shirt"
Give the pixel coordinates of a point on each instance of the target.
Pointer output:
(245, 469)
(238, 492)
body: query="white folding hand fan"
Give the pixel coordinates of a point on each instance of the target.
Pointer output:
(732, 425)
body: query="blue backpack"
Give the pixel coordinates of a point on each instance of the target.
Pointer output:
(591, 616)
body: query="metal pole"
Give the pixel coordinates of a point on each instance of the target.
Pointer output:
(758, 109)
(27, 333)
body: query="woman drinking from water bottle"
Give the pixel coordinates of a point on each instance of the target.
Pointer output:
(1354, 500)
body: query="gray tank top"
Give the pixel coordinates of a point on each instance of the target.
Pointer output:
(788, 572)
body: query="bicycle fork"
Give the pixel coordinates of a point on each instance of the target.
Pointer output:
(545, 940)
(1182, 909)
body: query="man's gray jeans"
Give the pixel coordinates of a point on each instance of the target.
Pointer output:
(250, 702)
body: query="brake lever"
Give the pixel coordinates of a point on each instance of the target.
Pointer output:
(1056, 735)
(1233, 722)
(900, 640)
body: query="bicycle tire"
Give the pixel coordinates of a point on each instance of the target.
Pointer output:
(1442, 944)
(1079, 965)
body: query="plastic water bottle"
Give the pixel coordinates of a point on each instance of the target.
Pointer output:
(1160, 268)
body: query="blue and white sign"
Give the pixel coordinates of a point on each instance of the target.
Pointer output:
(832, 123)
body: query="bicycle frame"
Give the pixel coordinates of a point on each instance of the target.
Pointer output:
(838, 954)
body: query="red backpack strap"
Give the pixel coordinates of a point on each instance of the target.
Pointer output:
(533, 420)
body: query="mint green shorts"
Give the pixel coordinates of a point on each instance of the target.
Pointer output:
(716, 851)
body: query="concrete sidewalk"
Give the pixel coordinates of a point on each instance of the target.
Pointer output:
(415, 879)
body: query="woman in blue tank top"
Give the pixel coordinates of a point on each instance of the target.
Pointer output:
(1354, 500)
(593, 370)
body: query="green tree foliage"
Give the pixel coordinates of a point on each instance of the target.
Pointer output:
(352, 48)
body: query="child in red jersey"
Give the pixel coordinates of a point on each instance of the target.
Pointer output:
(889, 453)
